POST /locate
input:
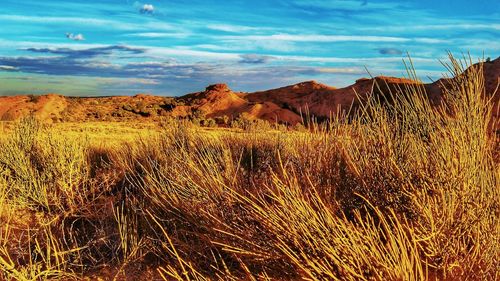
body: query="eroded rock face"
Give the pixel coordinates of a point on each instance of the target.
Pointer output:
(218, 87)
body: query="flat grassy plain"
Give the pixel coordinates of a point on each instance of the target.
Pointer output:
(403, 191)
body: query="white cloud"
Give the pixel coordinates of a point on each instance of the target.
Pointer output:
(147, 9)
(75, 37)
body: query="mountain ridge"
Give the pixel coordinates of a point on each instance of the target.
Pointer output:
(284, 104)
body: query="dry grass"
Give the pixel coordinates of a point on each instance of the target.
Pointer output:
(404, 191)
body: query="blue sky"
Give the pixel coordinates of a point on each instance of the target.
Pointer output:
(173, 47)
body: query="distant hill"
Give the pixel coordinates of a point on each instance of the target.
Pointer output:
(285, 104)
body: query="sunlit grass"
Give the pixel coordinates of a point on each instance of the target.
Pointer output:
(404, 191)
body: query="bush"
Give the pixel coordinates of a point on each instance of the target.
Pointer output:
(44, 171)
(34, 98)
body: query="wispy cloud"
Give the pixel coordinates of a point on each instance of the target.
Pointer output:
(98, 62)
(339, 70)
(368, 61)
(350, 5)
(189, 54)
(126, 81)
(58, 20)
(116, 25)
(157, 73)
(432, 27)
(232, 28)
(157, 35)
(333, 38)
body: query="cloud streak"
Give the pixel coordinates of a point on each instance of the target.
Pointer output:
(87, 21)
(87, 53)
(8, 68)
(333, 38)
(82, 62)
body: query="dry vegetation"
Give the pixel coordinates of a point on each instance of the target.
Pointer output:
(402, 192)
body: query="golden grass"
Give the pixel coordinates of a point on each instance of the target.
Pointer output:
(404, 191)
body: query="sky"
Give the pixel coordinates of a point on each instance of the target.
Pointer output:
(173, 47)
